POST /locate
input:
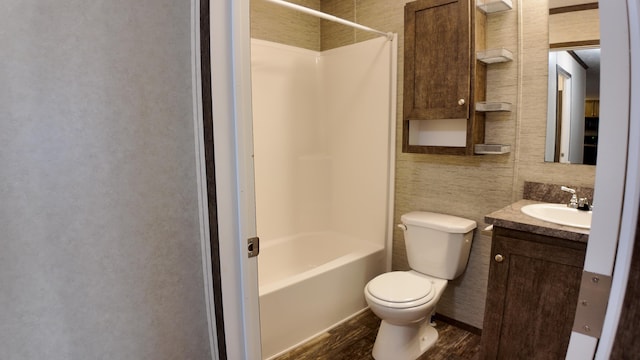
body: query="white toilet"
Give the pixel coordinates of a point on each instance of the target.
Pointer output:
(438, 248)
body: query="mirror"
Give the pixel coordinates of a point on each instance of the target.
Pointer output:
(574, 82)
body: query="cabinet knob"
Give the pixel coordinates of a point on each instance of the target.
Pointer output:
(461, 102)
(499, 258)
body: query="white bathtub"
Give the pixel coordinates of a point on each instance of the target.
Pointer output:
(311, 282)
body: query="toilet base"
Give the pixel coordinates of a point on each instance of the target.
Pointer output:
(406, 342)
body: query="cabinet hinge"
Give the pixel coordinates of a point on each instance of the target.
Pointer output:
(592, 304)
(253, 246)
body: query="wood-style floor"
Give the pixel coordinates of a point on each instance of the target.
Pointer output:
(353, 340)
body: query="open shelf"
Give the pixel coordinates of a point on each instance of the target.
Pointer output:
(493, 6)
(489, 106)
(492, 56)
(492, 149)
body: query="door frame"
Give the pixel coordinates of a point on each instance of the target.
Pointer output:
(234, 173)
(231, 144)
(617, 181)
(631, 201)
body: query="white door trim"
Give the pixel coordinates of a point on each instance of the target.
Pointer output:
(231, 94)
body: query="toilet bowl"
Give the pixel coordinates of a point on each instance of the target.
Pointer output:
(405, 301)
(438, 247)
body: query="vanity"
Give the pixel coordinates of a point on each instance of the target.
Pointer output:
(534, 282)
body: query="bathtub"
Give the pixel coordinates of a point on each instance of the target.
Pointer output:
(309, 283)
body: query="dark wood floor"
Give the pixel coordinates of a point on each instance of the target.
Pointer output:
(353, 340)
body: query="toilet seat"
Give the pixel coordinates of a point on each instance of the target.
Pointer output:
(400, 290)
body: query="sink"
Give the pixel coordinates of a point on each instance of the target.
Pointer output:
(559, 214)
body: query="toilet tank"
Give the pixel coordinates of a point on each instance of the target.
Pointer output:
(437, 244)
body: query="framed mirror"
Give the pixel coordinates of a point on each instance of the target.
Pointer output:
(574, 82)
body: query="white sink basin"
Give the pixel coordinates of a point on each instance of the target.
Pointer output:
(559, 214)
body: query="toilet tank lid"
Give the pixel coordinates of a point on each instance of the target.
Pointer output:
(436, 221)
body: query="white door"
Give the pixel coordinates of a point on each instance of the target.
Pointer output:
(617, 181)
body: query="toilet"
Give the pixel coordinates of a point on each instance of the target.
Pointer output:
(438, 248)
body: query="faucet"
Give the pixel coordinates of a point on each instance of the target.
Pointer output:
(575, 202)
(583, 204)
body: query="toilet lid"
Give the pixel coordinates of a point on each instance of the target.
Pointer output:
(400, 287)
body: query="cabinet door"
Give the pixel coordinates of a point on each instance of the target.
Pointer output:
(437, 60)
(532, 298)
(591, 108)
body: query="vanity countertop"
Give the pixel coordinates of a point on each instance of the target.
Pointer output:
(511, 217)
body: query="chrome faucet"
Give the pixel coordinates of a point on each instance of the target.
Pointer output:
(583, 204)
(575, 202)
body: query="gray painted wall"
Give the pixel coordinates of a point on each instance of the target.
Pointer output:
(99, 234)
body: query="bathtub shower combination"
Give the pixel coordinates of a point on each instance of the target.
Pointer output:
(310, 282)
(324, 149)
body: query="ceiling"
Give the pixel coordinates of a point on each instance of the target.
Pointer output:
(591, 57)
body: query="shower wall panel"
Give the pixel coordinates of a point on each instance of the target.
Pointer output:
(356, 100)
(290, 144)
(321, 139)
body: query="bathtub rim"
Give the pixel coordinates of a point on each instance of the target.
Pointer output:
(364, 249)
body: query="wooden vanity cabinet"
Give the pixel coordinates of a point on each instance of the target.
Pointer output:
(442, 78)
(534, 281)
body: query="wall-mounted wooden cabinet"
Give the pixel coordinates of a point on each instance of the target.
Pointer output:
(532, 295)
(437, 58)
(592, 108)
(442, 79)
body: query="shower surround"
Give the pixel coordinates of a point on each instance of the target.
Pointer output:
(324, 152)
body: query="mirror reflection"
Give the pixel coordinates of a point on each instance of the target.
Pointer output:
(574, 83)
